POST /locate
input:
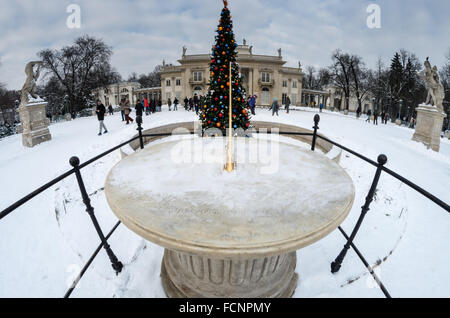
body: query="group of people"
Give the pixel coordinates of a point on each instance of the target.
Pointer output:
(193, 103)
(384, 116)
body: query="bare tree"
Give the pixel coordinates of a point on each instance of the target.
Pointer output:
(360, 77)
(80, 68)
(341, 73)
(314, 79)
(152, 79)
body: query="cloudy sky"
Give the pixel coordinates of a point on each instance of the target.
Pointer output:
(144, 32)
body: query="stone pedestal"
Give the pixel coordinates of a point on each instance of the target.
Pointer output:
(398, 122)
(34, 124)
(429, 126)
(191, 276)
(218, 242)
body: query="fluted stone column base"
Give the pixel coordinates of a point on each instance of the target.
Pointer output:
(191, 276)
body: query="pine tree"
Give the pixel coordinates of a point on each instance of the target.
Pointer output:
(215, 110)
(396, 76)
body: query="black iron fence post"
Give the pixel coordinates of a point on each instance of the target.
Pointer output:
(336, 265)
(139, 129)
(316, 127)
(116, 264)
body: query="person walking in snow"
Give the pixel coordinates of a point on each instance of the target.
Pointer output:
(196, 103)
(386, 118)
(191, 104)
(139, 108)
(127, 111)
(175, 104)
(159, 108)
(288, 104)
(275, 107)
(375, 117)
(122, 109)
(186, 103)
(252, 104)
(101, 111)
(147, 107)
(369, 114)
(169, 103)
(110, 110)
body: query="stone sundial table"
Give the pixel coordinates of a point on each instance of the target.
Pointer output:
(229, 235)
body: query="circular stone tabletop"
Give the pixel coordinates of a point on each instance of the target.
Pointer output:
(170, 194)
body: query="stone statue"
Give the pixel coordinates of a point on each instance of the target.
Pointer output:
(245, 42)
(184, 51)
(436, 92)
(300, 65)
(250, 50)
(32, 110)
(279, 52)
(29, 88)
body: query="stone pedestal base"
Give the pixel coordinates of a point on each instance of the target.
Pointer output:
(34, 124)
(429, 126)
(398, 122)
(191, 276)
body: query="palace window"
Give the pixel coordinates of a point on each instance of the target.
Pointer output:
(294, 84)
(285, 84)
(178, 82)
(265, 77)
(168, 83)
(198, 76)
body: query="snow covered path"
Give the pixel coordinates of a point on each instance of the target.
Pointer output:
(43, 243)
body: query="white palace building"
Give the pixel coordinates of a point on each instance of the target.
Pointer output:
(264, 76)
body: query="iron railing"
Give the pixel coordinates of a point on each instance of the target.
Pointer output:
(117, 265)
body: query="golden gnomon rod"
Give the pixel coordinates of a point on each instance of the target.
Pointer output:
(229, 166)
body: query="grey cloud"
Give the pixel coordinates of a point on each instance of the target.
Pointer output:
(144, 32)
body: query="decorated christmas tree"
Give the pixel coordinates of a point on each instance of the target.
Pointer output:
(215, 111)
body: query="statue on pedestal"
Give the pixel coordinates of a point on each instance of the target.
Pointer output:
(29, 88)
(430, 116)
(436, 92)
(32, 110)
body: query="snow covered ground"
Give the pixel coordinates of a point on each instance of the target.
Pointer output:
(45, 242)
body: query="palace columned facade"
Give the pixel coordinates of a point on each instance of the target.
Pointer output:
(264, 76)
